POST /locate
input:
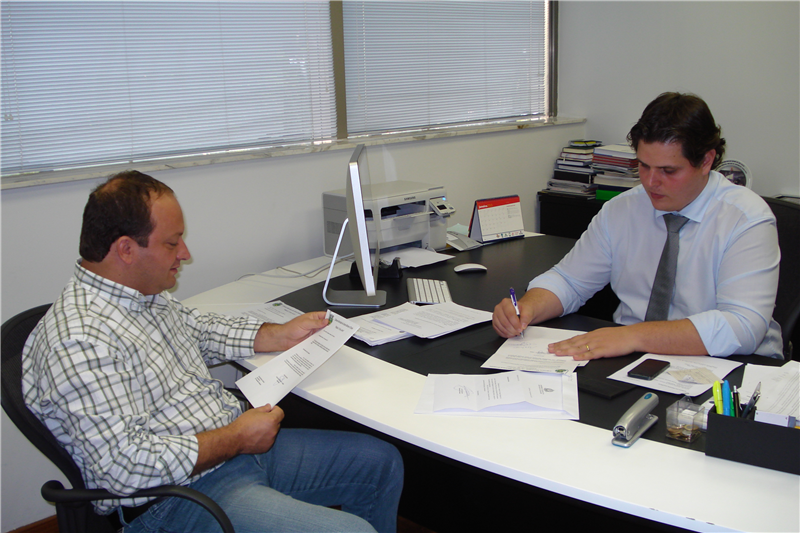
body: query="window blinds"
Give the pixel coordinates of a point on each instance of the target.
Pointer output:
(99, 82)
(411, 64)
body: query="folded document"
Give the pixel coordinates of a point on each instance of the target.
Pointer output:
(508, 394)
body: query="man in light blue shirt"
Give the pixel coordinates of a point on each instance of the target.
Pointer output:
(727, 266)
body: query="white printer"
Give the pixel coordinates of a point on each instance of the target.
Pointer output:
(411, 214)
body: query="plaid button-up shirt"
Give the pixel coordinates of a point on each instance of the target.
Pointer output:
(121, 380)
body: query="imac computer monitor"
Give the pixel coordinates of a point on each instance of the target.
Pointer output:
(368, 261)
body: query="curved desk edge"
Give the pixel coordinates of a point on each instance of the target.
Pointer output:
(650, 480)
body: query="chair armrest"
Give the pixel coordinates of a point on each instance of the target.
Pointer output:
(54, 491)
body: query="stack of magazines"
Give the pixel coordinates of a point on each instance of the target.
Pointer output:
(573, 172)
(616, 170)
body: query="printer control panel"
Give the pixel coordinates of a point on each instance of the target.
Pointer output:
(441, 207)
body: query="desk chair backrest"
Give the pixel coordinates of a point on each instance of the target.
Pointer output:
(787, 303)
(14, 333)
(73, 506)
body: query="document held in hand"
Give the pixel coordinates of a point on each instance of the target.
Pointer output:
(275, 379)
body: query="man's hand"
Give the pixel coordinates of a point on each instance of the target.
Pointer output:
(253, 432)
(603, 342)
(256, 429)
(281, 337)
(536, 306)
(668, 337)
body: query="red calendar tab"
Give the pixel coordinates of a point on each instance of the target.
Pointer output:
(497, 202)
(496, 218)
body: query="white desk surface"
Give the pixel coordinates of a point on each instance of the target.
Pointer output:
(655, 481)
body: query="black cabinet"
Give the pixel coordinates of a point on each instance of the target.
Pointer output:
(565, 216)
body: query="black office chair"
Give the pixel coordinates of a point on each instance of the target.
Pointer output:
(73, 506)
(787, 303)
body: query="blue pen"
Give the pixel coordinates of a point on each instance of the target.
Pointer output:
(516, 308)
(726, 398)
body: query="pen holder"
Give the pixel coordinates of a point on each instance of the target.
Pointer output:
(754, 443)
(684, 419)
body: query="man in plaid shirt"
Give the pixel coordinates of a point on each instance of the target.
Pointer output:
(117, 371)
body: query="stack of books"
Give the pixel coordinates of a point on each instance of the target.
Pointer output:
(573, 172)
(616, 170)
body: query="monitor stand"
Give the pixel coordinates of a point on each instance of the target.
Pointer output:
(351, 298)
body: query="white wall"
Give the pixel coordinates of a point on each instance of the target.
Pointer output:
(252, 216)
(740, 57)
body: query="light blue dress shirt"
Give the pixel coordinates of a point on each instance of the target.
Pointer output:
(727, 273)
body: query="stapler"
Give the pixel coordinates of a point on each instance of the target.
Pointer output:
(635, 421)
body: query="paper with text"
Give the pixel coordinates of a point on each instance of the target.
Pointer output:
(666, 382)
(275, 312)
(431, 321)
(780, 387)
(508, 394)
(375, 333)
(275, 379)
(529, 352)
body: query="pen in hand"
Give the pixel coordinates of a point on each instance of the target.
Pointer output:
(516, 308)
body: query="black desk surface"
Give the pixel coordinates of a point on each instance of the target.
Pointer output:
(510, 264)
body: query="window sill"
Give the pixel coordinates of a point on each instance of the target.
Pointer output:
(61, 176)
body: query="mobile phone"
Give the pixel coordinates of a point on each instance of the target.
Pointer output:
(648, 369)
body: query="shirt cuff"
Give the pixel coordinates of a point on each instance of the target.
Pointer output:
(556, 284)
(240, 338)
(716, 333)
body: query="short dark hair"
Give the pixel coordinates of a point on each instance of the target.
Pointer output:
(116, 208)
(682, 118)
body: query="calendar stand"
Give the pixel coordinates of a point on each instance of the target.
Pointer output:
(496, 219)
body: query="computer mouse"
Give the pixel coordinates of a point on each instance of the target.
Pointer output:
(470, 267)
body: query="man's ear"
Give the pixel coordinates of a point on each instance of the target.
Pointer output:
(708, 161)
(125, 249)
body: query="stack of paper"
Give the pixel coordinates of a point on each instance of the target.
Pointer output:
(372, 331)
(431, 321)
(780, 389)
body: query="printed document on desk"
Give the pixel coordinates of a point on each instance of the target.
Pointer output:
(780, 387)
(374, 333)
(666, 382)
(275, 312)
(415, 257)
(431, 321)
(528, 352)
(508, 395)
(275, 379)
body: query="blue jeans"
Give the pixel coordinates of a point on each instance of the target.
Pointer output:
(290, 487)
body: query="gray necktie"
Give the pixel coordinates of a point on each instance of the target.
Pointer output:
(661, 296)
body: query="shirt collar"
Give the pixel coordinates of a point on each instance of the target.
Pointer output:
(116, 292)
(697, 208)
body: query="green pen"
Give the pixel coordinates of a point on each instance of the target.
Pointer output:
(717, 391)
